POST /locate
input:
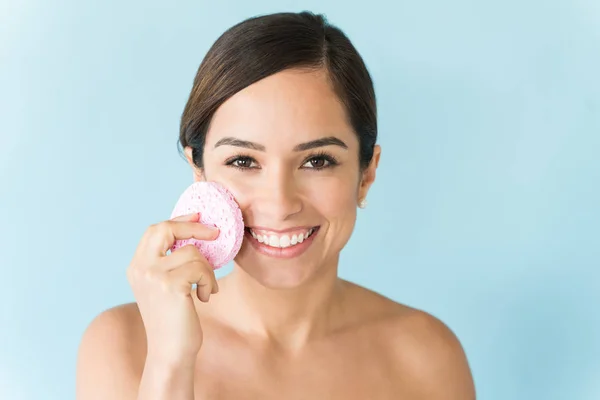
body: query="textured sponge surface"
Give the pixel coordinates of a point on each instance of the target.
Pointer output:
(217, 207)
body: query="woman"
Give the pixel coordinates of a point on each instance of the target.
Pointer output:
(282, 112)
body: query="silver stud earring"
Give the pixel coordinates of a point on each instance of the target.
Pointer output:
(362, 203)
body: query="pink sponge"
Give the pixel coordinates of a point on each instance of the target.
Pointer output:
(217, 207)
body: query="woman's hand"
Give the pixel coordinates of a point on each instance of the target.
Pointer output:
(162, 286)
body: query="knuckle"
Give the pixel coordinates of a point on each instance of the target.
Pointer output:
(152, 230)
(195, 270)
(199, 266)
(158, 229)
(193, 253)
(190, 250)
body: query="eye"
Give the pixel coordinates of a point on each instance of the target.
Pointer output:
(317, 162)
(320, 161)
(241, 162)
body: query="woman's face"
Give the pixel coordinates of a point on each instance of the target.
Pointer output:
(284, 148)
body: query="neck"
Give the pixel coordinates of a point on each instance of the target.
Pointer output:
(288, 318)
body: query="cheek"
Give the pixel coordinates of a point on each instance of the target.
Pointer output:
(333, 197)
(335, 201)
(237, 183)
(242, 190)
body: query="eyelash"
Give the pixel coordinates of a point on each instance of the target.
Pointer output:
(329, 159)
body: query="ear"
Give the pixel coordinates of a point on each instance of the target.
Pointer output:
(198, 173)
(368, 175)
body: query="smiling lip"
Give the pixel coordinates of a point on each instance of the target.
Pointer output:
(282, 252)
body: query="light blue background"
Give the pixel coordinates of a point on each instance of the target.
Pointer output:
(485, 212)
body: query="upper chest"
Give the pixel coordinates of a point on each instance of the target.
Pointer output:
(347, 368)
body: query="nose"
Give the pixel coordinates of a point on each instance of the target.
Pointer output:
(277, 196)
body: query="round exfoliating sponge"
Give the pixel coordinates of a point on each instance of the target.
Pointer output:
(217, 207)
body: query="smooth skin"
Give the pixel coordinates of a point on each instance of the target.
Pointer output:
(273, 328)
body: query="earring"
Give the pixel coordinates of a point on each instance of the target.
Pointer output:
(362, 203)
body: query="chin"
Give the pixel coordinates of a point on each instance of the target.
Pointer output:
(277, 273)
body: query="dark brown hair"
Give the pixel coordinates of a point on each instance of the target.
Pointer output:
(264, 45)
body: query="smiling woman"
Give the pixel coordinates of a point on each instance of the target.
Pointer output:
(282, 112)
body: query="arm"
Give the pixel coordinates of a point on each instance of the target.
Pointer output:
(162, 381)
(112, 363)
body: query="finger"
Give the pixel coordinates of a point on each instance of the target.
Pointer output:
(183, 255)
(193, 272)
(203, 293)
(160, 237)
(193, 217)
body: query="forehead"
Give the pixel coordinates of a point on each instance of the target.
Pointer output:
(286, 108)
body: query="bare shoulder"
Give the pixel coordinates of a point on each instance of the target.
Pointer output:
(422, 351)
(120, 325)
(119, 329)
(111, 353)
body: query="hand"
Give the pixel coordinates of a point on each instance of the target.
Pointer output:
(162, 286)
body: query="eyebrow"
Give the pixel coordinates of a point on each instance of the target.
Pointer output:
(326, 141)
(230, 141)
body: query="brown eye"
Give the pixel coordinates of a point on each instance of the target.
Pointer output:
(318, 162)
(243, 163)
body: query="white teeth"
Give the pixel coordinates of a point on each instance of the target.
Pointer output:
(282, 241)
(273, 241)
